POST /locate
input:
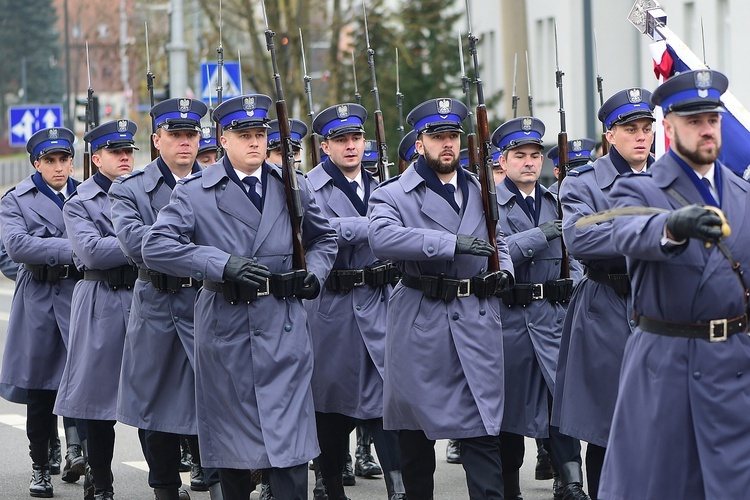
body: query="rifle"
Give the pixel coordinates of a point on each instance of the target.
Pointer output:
(514, 99)
(379, 125)
(562, 157)
(150, 86)
(219, 86)
(599, 80)
(402, 164)
(528, 81)
(314, 139)
(357, 95)
(288, 170)
(91, 120)
(489, 195)
(471, 138)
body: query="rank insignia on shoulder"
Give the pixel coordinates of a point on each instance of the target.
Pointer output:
(575, 172)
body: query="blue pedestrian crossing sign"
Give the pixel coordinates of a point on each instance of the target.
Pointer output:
(230, 83)
(25, 120)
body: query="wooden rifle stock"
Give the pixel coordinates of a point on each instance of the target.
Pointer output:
(487, 182)
(382, 147)
(473, 149)
(314, 149)
(402, 165)
(291, 186)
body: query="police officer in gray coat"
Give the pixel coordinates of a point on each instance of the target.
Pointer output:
(680, 425)
(444, 352)
(157, 383)
(347, 320)
(101, 303)
(534, 309)
(598, 321)
(229, 226)
(35, 351)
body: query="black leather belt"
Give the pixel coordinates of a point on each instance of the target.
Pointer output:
(523, 294)
(53, 274)
(280, 285)
(440, 287)
(379, 273)
(620, 282)
(716, 330)
(117, 277)
(166, 282)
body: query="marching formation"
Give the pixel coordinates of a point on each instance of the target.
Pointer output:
(220, 300)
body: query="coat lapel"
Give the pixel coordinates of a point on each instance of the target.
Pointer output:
(230, 198)
(274, 207)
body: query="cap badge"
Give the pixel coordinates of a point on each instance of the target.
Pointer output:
(526, 124)
(53, 133)
(183, 106)
(444, 106)
(371, 145)
(206, 132)
(703, 82)
(122, 125)
(342, 111)
(248, 104)
(634, 96)
(577, 146)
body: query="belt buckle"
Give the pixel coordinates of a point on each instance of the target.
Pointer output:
(464, 288)
(537, 291)
(186, 284)
(263, 291)
(359, 277)
(64, 272)
(721, 335)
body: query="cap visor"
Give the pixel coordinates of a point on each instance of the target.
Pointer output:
(242, 125)
(345, 130)
(696, 110)
(633, 116)
(524, 142)
(448, 127)
(57, 149)
(119, 145)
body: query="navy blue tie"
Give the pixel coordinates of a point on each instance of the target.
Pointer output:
(252, 193)
(61, 197)
(355, 185)
(532, 209)
(452, 195)
(707, 183)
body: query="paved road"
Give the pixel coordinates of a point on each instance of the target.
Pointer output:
(131, 472)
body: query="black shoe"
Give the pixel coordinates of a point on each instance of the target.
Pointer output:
(365, 464)
(55, 456)
(348, 473)
(453, 451)
(197, 479)
(88, 484)
(557, 487)
(543, 469)
(186, 460)
(182, 494)
(265, 492)
(75, 464)
(104, 495)
(572, 479)
(41, 483)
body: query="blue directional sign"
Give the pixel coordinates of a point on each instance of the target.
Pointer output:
(25, 120)
(230, 83)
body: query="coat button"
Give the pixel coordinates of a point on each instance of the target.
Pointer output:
(223, 187)
(739, 374)
(697, 375)
(531, 325)
(455, 316)
(287, 327)
(632, 323)
(358, 308)
(531, 264)
(176, 319)
(482, 312)
(257, 333)
(348, 233)
(529, 252)
(199, 276)
(430, 249)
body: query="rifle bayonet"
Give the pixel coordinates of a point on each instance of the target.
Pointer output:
(314, 139)
(379, 125)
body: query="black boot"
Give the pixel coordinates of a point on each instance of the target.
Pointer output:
(335, 488)
(75, 463)
(319, 491)
(512, 485)
(186, 459)
(197, 478)
(55, 450)
(41, 483)
(453, 451)
(166, 494)
(348, 472)
(365, 464)
(89, 488)
(182, 494)
(572, 480)
(394, 484)
(543, 469)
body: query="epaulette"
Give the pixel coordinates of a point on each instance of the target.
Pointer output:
(9, 191)
(132, 174)
(388, 181)
(196, 175)
(575, 172)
